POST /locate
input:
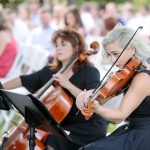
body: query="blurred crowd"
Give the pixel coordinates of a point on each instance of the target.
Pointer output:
(33, 25)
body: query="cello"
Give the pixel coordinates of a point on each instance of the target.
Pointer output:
(57, 102)
(54, 97)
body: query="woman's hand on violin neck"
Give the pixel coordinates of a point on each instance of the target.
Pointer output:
(63, 80)
(82, 99)
(86, 105)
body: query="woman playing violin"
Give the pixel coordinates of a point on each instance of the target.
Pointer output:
(135, 105)
(82, 75)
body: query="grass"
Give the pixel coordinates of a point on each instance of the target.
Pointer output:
(15, 119)
(111, 127)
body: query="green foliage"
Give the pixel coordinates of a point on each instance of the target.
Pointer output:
(138, 3)
(111, 127)
(80, 2)
(4, 2)
(11, 2)
(16, 119)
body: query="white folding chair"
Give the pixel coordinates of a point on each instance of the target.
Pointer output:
(35, 58)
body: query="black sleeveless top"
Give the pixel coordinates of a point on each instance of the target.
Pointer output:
(144, 108)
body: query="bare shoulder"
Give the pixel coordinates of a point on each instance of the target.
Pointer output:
(142, 76)
(141, 81)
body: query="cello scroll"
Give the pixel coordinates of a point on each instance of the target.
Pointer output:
(95, 46)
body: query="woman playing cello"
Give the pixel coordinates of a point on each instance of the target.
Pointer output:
(135, 105)
(82, 75)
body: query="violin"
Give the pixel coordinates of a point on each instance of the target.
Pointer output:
(57, 102)
(113, 86)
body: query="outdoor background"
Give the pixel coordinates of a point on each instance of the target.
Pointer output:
(97, 18)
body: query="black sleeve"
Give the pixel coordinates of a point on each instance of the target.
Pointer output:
(92, 78)
(36, 80)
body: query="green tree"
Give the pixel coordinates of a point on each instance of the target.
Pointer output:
(79, 2)
(4, 2)
(138, 3)
(10, 2)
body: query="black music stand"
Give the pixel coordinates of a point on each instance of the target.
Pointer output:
(4, 103)
(35, 113)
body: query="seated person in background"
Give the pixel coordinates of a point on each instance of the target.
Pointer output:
(8, 47)
(40, 36)
(73, 20)
(110, 23)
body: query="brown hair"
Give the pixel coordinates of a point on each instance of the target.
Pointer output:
(4, 25)
(76, 14)
(110, 23)
(72, 36)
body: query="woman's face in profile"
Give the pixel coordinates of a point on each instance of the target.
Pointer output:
(113, 51)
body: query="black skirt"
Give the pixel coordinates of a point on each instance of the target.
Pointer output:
(135, 136)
